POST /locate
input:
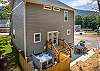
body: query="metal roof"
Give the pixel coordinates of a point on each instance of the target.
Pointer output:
(52, 3)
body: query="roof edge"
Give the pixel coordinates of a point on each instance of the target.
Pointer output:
(47, 3)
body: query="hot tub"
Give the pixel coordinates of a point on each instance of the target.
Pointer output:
(43, 60)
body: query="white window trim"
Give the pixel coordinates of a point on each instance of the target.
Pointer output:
(44, 7)
(56, 8)
(14, 31)
(69, 30)
(64, 16)
(34, 37)
(52, 36)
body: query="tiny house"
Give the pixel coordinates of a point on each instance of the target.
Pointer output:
(37, 22)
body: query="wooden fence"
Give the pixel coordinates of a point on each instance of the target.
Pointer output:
(24, 64)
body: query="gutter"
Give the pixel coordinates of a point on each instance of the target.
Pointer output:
(25, 32)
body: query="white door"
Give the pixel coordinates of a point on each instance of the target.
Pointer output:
(53, 36)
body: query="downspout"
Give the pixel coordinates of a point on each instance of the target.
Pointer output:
(74, 25)
(25, 31)
(98, 5)
(11, 21)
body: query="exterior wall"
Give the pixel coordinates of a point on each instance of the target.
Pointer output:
(40, 20)
(18, 25)
(16, 2)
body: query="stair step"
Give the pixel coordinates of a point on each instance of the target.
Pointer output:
(63, 49)
(60, 48)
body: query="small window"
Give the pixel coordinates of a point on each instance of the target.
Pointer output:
(65, 15)
(37, 37)
(68, 31)
(14, 33)
(47, 7)
(56, 9)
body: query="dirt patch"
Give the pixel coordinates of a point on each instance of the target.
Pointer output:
(92, 64)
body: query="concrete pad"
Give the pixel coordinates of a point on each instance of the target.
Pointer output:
(83, 57)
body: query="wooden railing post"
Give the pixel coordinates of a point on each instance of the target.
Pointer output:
(49, 45)
(63, 43)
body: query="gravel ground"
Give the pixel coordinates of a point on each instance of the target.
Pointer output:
(92, 64)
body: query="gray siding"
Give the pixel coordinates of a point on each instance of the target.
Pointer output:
(16, 2)
(40, 20)
(18, 25)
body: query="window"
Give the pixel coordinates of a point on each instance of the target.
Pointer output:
(65, 15)
(37, 37)
(47, 7)
(68, 31)
(14, 33)
(56, 9)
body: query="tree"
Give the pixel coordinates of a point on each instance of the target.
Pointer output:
(98, 19)
(5, 13)
(3, 2)
(90, 22)
(78, 20)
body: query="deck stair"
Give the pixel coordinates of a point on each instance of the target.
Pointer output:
(62, 47)
(62, 54)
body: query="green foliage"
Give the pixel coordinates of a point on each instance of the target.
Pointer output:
(5, 13)
(88, 22)
(3, 2)
(7, 49)
(82, 41)
(9, 52)
(5, 46)
(78, 20)
(98, 19)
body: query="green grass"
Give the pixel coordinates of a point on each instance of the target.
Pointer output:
(91, 32)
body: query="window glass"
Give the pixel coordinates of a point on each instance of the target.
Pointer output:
(37, 37)
(14, 33)
(68, 31)
(56, 9)
(47, 7)
(65, 15)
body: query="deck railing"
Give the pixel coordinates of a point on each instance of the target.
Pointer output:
(56, 52)
(61, 44)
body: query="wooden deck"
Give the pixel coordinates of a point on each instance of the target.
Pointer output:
(62, 54)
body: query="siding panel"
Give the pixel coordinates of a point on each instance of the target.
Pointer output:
(18, 25)
(40, 20)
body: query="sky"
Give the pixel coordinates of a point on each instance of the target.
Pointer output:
(82, 4)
